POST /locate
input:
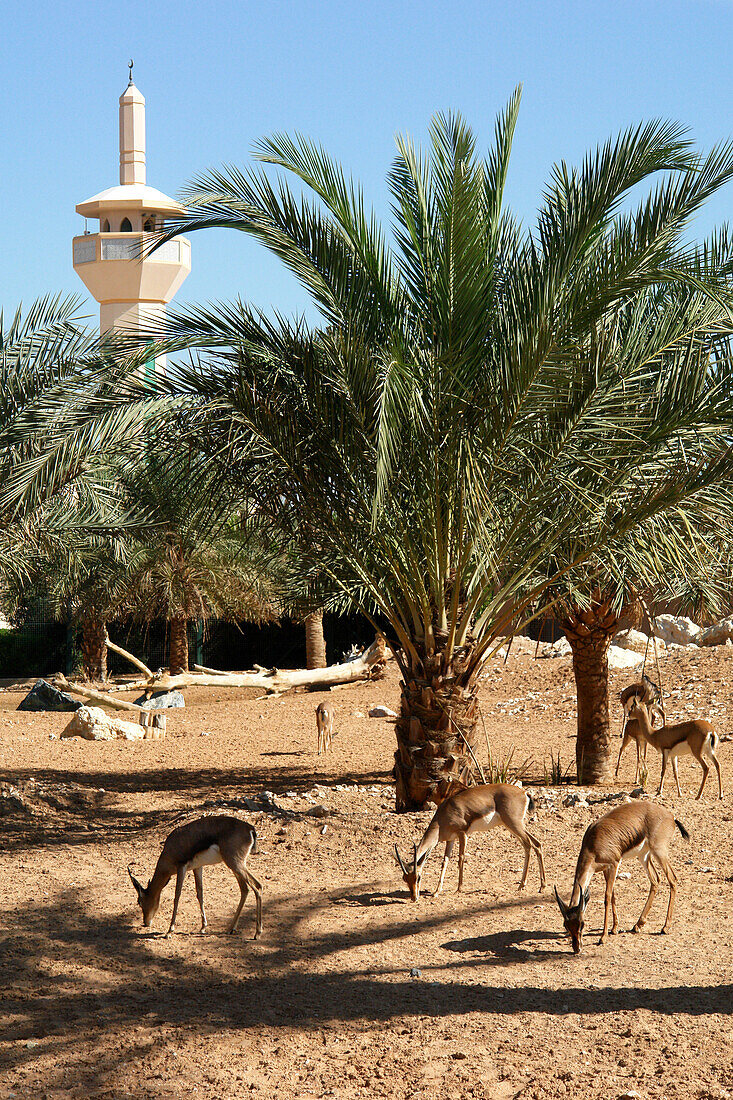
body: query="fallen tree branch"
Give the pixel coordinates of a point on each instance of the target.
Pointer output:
(59, 680)
(210, 671)
(277, 680)
(129, 657)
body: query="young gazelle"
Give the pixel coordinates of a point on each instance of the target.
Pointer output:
(325, 714)
(198, 844)
(645, 692)
(639, 829)
(697, 737)
(473, 810)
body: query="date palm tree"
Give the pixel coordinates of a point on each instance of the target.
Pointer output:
(201, 550)
(449, 431)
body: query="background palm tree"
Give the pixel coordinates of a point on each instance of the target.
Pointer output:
(446, 432)
(201, 551)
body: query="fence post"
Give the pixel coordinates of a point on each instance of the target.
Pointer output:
(199, 641)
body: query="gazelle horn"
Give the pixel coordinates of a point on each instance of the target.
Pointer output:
(561, 903)
(399, 860)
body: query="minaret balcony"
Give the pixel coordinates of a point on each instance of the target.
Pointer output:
(93, 247)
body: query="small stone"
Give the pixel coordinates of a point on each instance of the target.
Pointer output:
(357, 714)
(632, 1094)
(382, 712)
(161, 700)
(205, 733)
(624, 874)
(317, 811)
(323, 830)
(415, 973)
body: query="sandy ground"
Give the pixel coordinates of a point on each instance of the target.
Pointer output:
(324, 1004)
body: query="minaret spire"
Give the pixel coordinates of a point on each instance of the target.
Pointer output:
(132, 134)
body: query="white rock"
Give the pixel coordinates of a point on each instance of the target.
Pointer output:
(718, 634)
(382, 712)
(623, 658)
(676, 628)
(93, 724)
(631, 639)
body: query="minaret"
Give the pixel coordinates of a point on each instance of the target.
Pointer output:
(132, 289)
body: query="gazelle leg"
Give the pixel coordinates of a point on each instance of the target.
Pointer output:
(624, 743)
(198, 878)
(444, 866)
(661, 778)
(610, 875)
(720, 778)
(540, 857)
(676, 775)
(461, 858)
(654, 886)
(179, 886)
(614, 926)
(243, 890)
(638, 762)
(705, 769)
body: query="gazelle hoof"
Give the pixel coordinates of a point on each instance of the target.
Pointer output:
(637, 929)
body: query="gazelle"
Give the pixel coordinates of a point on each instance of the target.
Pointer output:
(697, 737)
(648, 693)
(198, 844)
(325, 715)
(473, 810)
(639, 829)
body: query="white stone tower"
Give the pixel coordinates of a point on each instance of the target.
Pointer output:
(132, 289)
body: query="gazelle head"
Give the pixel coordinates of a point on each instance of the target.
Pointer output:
(573, 918)
(412, 875)
(148, 904)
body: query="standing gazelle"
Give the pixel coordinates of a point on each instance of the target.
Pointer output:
(473, 810)
(201, 843)
(643, 691)
(639, 829)
(697, 736)
(325, 715)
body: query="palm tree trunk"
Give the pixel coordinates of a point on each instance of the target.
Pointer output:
(590, 632)
(93, 649)
(315, 643)
(178, 646)
(438, 718)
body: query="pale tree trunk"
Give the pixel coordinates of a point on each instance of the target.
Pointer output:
(315, 643)
(178, 661)
(589, 633)
(438, 718)
(94, 649)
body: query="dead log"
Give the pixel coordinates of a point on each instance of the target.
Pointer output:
(278, 680)
(129, 657)
(210, 671)
(98, 696)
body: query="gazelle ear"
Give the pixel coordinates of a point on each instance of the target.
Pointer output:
(561, 903)
(414, 858)
(399, 860)
(586, 896)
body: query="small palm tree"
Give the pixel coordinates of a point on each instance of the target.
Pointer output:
(449, 432)
(202, 551)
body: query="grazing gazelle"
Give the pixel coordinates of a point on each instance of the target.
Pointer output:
(325, 714)
(639, 829)
(647, 692)
(473, 810)
(697, 736)
(201, 843)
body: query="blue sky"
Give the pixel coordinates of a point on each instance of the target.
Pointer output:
(217, 76)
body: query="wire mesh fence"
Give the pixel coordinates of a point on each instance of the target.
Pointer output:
(40, 645)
